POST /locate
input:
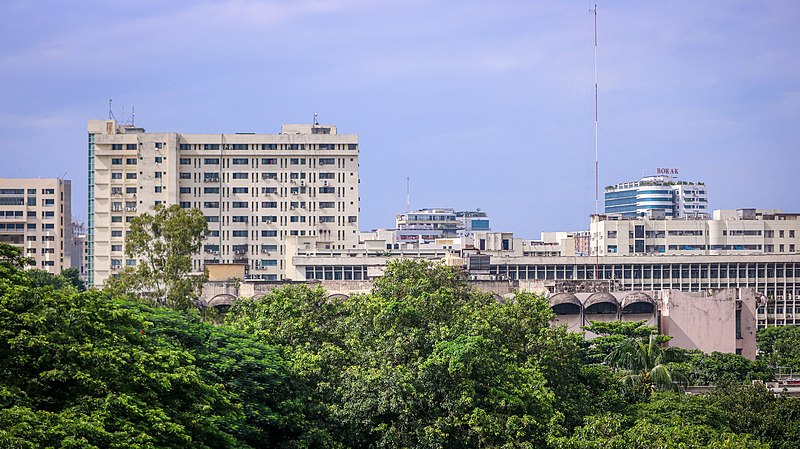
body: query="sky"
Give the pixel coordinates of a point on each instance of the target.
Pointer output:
(482, 104)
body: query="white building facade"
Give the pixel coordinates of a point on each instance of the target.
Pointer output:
(656, 196)
(35, 215)
(255, 190)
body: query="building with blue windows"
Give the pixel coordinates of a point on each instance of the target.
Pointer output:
(657, 196)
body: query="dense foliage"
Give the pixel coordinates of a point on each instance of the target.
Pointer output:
(422, 361)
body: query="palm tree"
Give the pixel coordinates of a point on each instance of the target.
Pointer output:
(642, 365)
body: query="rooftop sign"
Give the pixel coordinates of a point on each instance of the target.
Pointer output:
(666, 171)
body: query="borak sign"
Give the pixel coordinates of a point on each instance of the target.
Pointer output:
(666, 171)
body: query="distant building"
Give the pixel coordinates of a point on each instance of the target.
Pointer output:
(427, 225)
(473, 221)
(78, 253)
(35, 215)
(657, 196)
(744, 231)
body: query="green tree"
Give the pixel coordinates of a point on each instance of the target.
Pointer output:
(89, 370)
(711, 369)
(778, 346)
(165, 243)
(610, 334)
(643, 365)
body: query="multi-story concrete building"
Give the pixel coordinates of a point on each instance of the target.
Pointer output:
(79, 251)
(657, 196)
(427, 225)
(744, 231)
(36, 215)
(256, 190)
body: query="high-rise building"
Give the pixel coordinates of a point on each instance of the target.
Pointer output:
(35, 214)
(79, 251)
(256, 191)
(657, 196)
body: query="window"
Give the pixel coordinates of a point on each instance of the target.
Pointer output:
(269, 262)
(186, 161)
(212, 219)
(211, 146)
(297, 161)
(157, 189)
(239, 190)
(240, 161)
(269, 146)
(130, 189)
(239, 204)
(116, 247)
(186, 190)
(300, 219)
(239, 218)
(130, 175)
(116, 161)
(239, 233)
(130, 146)
(49, 202)
(211, 161)
(327, 190)
(327, 204)
(239, 146)
(185, 205)
(130, 262)
(611, 234)
(327, 146)
(791, 247)
(269, 233)
(211, 204)
(269, 190)
(159, 159)
(184, 175)
(791, 233)
(116, 190)
(327, 161)
(269, 175)
(269, 204)
(211, 190)
(240, 175)
(327, 176)
(158, 174)
(269, 161)
(116, 219)
(116, 146)
(185, 146)
(327, 219)
(131, 161)
(781, 233)
(47, 214)
(612, 248)
(269, 218)
(116, 233)
(116, 175)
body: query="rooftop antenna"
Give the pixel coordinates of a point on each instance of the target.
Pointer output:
(133, 115)
(110, 112)
(596, 146)
(315, 122)
(408, 194)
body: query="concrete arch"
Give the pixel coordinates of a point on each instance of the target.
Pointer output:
(601, 306)
(565, 304)
(221, 302)
(638, 303)
(341, 296)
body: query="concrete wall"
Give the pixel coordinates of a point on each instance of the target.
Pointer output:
(709, 323)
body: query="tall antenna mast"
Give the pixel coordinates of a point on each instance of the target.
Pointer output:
(596, 147)
(408, 194)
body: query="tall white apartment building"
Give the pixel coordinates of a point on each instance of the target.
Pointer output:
(256, 191)
(35, 214)
(739, 232)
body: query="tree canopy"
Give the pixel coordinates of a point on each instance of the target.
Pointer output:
(164, 242)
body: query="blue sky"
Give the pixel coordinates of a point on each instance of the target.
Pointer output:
(482, 104)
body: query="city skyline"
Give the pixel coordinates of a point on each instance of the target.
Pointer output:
(482, 106)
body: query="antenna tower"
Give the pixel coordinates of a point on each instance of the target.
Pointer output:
(408, 194)
(596, 147)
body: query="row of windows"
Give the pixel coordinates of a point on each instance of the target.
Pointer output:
(264, 146)
(29, 226)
